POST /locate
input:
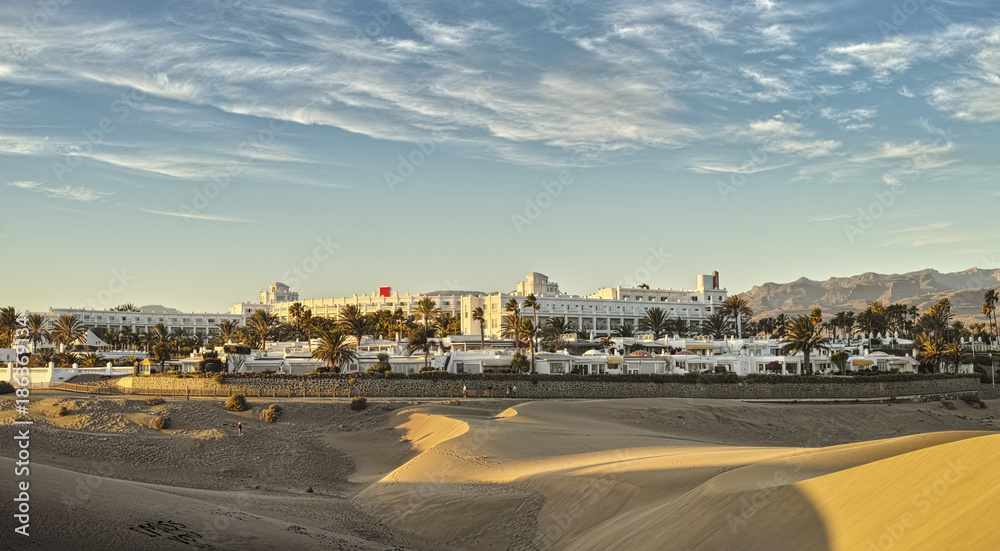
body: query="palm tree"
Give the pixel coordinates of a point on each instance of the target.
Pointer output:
(161, 331)
(624, 331)
(678, 326)
(8, 326)
(426, 309)
(990, 299)
(717, 325)
(67, 330)
(956, 354)
(295, 311)
(531, 302)
(480, 316)
(839, 359)
(931, 351)
(92, 360)
(37, 331)
(655, 321)
(551, 334)
(127, 307)
(447, 325)
(419, 338)
(512, 320)
(352, 321)
(335, 350)
(261, 323)
(737, 308)
(804, 336)
(228, 330)
(781, 325)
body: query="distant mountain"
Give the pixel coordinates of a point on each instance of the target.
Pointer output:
(964, 289)
(158, 309)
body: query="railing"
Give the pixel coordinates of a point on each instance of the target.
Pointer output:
(456, 392)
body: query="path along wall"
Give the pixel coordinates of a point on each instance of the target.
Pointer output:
(549, 388)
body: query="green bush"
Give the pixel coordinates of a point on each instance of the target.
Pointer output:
(211, 365)
(6, 388)
(160, 422)
(237, 402)
(271, 414)
(236, 349)
(520, 363)
(359, 403)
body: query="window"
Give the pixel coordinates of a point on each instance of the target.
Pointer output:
(694, 299)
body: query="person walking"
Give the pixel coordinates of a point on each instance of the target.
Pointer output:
(514, 390)
(465, 391)
(239, 426)
(188, 395)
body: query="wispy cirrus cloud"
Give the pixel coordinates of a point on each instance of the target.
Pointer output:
(67, 192)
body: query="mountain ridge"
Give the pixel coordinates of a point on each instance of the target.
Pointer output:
(919, 288)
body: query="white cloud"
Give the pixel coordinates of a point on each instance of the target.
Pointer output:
(920, 156)
(849, 119)
(67, 192)
(195, 216)
(787, 137)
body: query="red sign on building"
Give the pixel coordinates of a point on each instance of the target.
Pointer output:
(384, 291)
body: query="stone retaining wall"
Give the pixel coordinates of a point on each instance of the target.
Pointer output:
(546, 388)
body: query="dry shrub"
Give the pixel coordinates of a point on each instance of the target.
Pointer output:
(63, 410)
(154, 401)
(160, 422)
(237, 402)
(359, 403)
(271, 414)
(454, 402)
(6, 388)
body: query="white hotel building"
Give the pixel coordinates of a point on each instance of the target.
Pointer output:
(200, 323)
(600, 312)
(448, 302)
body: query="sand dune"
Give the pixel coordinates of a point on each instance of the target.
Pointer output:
(495, 474)
(577, 478)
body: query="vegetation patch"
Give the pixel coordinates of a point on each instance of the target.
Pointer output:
(160, 422)
(271, 414)
(359, 403)
(154, 401)
(63, 411)
(6, 388)
(237, 402)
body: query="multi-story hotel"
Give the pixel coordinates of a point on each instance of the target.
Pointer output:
(274, 293)
(600, 312)
(200, 323)
(448, 302)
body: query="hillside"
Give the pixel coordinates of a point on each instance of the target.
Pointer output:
(922, 288)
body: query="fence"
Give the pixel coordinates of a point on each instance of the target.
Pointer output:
(267, 392)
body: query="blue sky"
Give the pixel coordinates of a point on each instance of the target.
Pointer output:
(195, 151)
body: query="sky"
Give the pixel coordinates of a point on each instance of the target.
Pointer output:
(190, 153)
